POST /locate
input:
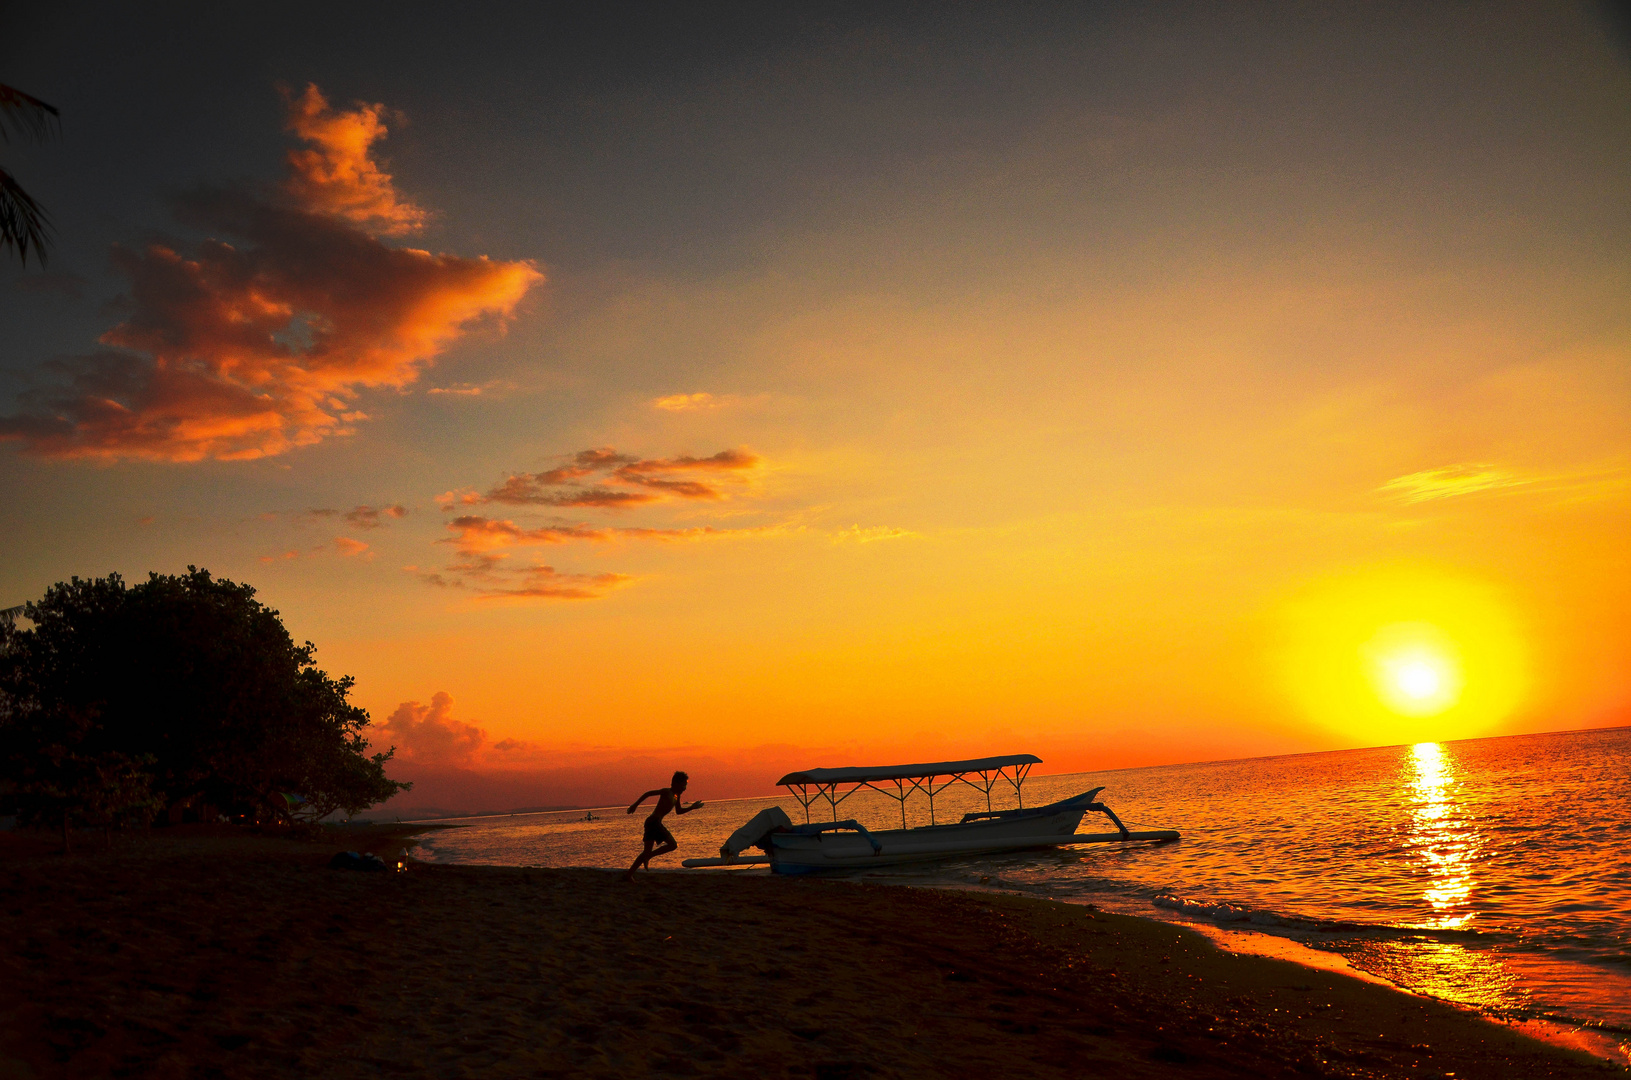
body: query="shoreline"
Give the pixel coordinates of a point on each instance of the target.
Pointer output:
(186, 954)
(1612, 1045)
(1258, 942)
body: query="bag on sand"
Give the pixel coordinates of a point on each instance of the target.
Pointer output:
(350, 860)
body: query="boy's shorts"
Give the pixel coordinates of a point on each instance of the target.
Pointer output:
(657, 833)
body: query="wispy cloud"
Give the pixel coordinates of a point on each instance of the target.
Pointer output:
(607, 479)
(691, 402)
(1449, 481)
(1589, 483)
(474, 534)
(343, 545)
(545, 583)
(372, 517)
(857, 535)
(358, 517)
(243, 350)
(487, 577)
(706, 402)
(601, 478)
(472, 390)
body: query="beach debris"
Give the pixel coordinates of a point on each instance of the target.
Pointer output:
(367, 862)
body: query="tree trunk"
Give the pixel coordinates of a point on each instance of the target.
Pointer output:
(65, 832)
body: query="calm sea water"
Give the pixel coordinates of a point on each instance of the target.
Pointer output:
(1492, 872)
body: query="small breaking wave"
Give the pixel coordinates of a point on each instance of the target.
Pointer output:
(1227, 913)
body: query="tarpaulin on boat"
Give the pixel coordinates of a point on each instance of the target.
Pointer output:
(754, 832)
(862, 774)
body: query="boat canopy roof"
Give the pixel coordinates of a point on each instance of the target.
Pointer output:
(862, 774)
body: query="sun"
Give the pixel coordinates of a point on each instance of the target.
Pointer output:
(1414, 668)
(1401, 654)
(1417, 680)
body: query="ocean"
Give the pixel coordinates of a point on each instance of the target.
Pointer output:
(1491, 872)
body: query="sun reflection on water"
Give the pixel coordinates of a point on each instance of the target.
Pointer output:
(1441, 837)
(1444, 845)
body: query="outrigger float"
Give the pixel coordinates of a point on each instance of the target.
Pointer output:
(835, 844)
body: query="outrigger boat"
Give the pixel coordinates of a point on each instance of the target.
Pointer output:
(835, 844)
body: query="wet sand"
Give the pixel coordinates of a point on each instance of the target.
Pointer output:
(209, 954)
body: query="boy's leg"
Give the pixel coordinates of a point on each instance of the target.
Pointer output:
(639, 860)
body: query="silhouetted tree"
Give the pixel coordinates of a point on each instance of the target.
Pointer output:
(186, 680)
(54, 786)
(23, 223)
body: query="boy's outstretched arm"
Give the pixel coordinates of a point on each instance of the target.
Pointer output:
(681, 808)
(636, 804)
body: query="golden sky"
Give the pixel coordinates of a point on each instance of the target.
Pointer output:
(1120, 387)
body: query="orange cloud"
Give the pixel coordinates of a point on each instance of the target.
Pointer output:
(621, 480)
(428, 734)
(687, 402)
(337, 174)
(371, 517)
(601, 477)
(447, 500)
(545, 583)
(475, 534)
(244, 350)
(345, 545)
(524, 488)
(488, 577)
(704, 402)
(478, 534)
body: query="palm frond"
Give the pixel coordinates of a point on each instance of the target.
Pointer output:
(10, 615)
(27, 115)
(24, 223)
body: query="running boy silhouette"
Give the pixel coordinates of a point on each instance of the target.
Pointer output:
(659, 841)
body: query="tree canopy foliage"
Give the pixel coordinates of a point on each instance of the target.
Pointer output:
(120, 700)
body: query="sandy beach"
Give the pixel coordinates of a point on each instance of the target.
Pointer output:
(203, 953)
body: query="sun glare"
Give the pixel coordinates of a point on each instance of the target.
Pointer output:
(1394, 656)
(1414, 668)
(1417, 680)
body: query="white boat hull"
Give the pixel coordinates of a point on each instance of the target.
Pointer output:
(1020, 844)
(803, 849)
(795, 853)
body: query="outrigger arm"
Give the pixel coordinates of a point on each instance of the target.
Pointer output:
(1111, 814)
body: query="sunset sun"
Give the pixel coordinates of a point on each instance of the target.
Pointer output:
(1414, 669)
(1378, 654)
(1417, 679)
